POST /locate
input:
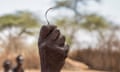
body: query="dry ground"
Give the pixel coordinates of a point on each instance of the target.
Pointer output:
(66, 71)
(69, 71)
(74, 67)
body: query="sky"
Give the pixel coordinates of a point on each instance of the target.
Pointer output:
(108, 8)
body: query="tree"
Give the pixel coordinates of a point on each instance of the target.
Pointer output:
(91, 22)
(18, 26)
(74, 5)
(74, 24)
(96, 23)
(69, 28)
(23, 20)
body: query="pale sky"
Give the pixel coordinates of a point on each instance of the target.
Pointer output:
(108, 8)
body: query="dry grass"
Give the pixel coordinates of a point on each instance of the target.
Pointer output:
(31, 59)
(32, 63)
(107, 60)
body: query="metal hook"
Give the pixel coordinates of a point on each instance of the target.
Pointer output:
(47, 13)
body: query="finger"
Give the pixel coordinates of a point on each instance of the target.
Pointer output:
(54, 35)
(66, 49)
(45, 30)
(62, 50)
(59, 50)
(61, 40)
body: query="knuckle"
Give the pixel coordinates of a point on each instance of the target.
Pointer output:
(42, 45)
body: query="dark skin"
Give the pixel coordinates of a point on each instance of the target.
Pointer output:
(7, 65)
(52, 49)
(19, 67)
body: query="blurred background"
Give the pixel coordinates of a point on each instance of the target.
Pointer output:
(91, 27)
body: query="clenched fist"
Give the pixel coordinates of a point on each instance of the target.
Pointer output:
(52, 49)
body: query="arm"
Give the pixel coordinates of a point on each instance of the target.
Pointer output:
(52, 49)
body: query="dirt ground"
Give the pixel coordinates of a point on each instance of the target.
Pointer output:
(65, 71)
(74, 66)
(68, 71)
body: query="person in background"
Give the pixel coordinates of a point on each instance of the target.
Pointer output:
(52, 49)
(7, 66)
(19, 61)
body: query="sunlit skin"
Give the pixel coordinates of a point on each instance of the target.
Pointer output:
(52, 49)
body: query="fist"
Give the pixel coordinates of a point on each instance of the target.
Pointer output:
(52, 49)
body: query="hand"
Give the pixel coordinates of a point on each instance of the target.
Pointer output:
(52, 49)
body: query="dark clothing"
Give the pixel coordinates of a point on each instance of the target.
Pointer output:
(17, 69)
(8, 71)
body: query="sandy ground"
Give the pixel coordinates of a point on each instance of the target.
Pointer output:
(65, 71)
(69, 71)
(74, 67)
